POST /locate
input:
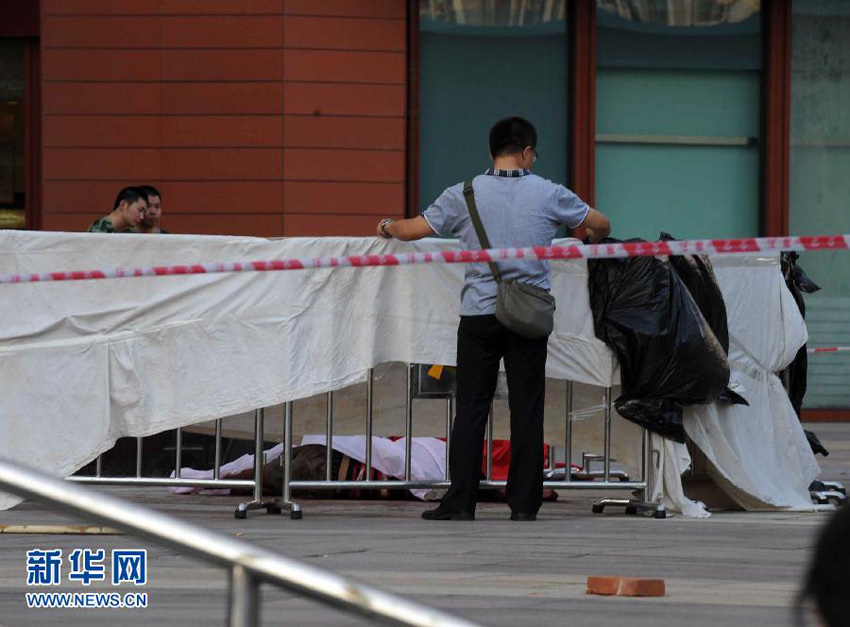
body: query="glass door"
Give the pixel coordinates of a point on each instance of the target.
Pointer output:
(820, 183)
(13, 135)
(481, 61)
(678, 104)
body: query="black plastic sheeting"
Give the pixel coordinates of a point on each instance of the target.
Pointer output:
(666, 322)
(698, 276)
(795, 375)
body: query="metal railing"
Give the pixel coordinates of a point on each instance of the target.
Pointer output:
(584, 479)
(249, 566)
(255, 484)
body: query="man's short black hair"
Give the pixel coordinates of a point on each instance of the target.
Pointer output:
(150, 190)
(511, 135)
(130, 195)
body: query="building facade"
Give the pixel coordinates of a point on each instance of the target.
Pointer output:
(701, 118)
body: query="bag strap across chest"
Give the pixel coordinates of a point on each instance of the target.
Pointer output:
(469, 196)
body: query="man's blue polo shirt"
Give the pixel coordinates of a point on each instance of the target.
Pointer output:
(517, 209)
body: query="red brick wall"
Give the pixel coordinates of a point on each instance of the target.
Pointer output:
(260, 117)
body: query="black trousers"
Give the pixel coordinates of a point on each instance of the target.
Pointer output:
(481, 343)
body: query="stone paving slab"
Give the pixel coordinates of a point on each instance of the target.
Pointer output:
(733, 568)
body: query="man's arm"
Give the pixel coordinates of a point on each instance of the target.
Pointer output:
(596, 227)
(405, 230)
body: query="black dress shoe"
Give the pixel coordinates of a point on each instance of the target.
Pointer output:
(522, 516)
(440, 513)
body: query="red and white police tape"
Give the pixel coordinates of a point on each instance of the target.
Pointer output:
(747, 245)
(831, 349)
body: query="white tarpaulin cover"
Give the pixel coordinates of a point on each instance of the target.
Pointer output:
(765, 333)
(84, 363)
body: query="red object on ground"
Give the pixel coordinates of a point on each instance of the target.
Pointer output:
(606, 586)
(502, 459)
(625, 586)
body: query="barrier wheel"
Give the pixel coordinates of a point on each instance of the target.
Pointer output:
(295, 514)
(659, 514)
(597, 509)
(240, 514)
(631, 510)
(273, 509)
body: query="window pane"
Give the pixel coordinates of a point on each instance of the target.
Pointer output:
(12, 127)
(678, 117)
(481, 61)
(820, 184)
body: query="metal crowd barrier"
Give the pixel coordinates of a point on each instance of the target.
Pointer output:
(569, 478)
(249, 566)
(255, 484)
(418, 386)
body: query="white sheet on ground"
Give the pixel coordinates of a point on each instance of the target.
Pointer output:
(83, 363)
(428, 459)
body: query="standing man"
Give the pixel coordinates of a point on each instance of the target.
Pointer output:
(127, 212)
(517, 209)
(151, 223)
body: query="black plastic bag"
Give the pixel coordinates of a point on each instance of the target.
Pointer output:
(669, 356)
(815, 443)
(698, 276)
(795, 277)
(795, 376)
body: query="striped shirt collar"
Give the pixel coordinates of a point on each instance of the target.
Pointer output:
(508, 173)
